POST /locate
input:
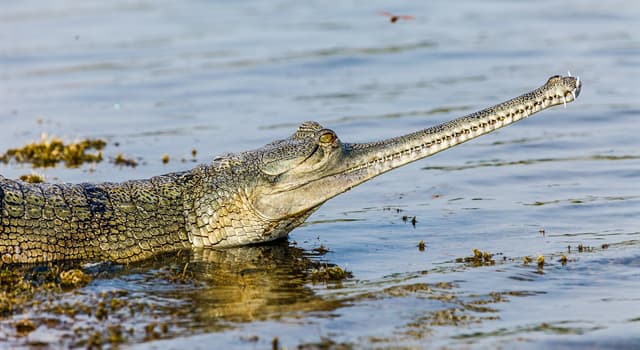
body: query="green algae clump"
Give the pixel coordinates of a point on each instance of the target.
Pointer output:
(50, 151)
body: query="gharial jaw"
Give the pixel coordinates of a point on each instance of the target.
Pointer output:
(284, 182)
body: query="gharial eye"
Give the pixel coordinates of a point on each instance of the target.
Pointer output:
(327, 136)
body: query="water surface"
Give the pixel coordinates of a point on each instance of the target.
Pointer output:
(156, 77)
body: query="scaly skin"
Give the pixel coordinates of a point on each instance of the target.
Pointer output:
(238, 199)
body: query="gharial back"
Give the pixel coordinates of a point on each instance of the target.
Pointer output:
(90, 222)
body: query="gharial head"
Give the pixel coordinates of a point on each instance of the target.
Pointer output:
(262, 195)
(287, 180)
(300, 171)
(313, 165)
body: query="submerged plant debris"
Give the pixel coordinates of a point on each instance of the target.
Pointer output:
(326, 273)
(53, 298)
(479, 258)
(50, 151)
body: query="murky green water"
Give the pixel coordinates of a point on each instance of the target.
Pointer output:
(157, 77)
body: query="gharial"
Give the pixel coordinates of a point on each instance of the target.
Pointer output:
(249, 197)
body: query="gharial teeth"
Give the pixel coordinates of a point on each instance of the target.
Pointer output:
(568, 72)
(564, 99)
(573, 93)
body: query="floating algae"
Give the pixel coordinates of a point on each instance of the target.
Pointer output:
(540, 261)
(326, 273)
(50, 151)
(32, 178)
(479, 258)
(120, 159)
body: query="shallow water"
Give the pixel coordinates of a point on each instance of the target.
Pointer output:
(159, 77)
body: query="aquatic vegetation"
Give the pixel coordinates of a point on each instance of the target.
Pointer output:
(44, 295)
(50, 151)
(176, 274)
(321, 250)
(540, 261)
(120, 159)
(563, 259)
(32, 178)
(479, 258)
(25, 326)
(326, 273)
(585, 249)
(406, 219)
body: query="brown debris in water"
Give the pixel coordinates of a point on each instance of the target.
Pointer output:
(120, 159)
(322, 250)
(326, 274)
(563, 259)
(585, 248)
(42, 297)
(540, 261)
(24, 327)
(413, 220)
(32, 178)
(18, 292)
(50, 151)
(479, 258)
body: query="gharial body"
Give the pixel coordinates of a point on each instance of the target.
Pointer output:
(250, 197)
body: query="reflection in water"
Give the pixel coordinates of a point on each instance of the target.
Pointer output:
(206, 290)
(170, 296)
(212, 291)
(256, 283)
